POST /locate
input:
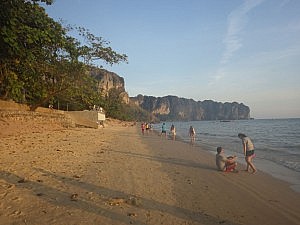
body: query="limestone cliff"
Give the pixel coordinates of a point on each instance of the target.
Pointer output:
(182, 109)
(108, 80)
(171, 107)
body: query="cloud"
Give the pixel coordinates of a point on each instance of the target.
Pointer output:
(217, 77)
(275, 57)
(236, 22)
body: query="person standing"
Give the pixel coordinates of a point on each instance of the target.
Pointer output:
(173, 132)
(164, 130)
(248, 148)
(143, 128)
(192, 134)
(147, 128)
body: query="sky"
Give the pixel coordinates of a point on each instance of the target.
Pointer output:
(245, 51)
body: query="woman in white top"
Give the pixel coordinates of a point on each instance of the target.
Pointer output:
(248, 148)
(192, 134)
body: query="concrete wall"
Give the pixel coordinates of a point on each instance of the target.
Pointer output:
(86, 118)
(24, 115)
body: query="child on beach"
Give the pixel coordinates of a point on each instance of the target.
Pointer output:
(248, 148)
(226, 164)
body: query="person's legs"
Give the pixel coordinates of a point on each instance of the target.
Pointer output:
(193, 139)
(250, 164)
(165, 133)
(247, 163)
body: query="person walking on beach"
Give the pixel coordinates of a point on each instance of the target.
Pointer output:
(147, 128)
(226, 164)
(143, 128)
(192, 134)
(248, 148)
(173, 132)
(164, 130)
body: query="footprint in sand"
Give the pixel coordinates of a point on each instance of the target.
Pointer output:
(24, 180)
(16, 213)
(16, 198)
(7, 186)
(74, 197)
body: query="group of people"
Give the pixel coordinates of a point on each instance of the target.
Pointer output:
(146, 127)
(164, 131)
(192, 132)
(228, 164)
(223, 163)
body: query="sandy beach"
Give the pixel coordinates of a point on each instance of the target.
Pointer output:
(114, 175)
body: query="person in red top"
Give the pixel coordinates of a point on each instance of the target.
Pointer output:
(143, 128)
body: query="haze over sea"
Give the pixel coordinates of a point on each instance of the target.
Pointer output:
(277, 142)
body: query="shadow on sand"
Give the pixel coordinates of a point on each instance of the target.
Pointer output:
(62, 198)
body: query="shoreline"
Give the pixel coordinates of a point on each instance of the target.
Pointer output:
(275, 170)
(197, 167)
(114, 175)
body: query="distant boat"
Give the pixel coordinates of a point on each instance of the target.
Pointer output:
(225, 120)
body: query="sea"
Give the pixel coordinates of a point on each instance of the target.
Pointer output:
(276, 141)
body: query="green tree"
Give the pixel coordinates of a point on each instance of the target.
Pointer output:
(39, 61)
(113, 103)
(96, 48)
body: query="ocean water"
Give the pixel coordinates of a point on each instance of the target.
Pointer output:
(276, 141)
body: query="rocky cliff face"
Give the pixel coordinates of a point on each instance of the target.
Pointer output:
(108, 80)
(171, 107)
(181, 109)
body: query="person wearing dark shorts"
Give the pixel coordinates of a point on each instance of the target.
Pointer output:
(164, 130)
(248, 148)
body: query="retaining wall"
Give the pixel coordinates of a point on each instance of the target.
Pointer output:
(15, 111)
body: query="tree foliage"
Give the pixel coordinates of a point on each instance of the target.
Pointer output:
(40, 62)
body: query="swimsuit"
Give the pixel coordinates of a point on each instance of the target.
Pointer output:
(250, 153)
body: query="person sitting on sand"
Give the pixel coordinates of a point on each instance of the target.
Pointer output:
(226, 164)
